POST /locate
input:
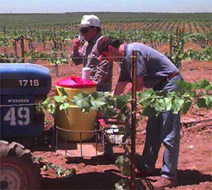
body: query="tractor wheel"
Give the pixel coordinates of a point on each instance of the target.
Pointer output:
(18, 169)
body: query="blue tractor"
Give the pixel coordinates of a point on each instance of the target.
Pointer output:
(22, 87)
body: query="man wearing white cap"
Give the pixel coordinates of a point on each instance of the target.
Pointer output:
(101, 69)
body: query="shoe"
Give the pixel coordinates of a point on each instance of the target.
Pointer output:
(163, 182)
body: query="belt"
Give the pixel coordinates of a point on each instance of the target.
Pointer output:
(165, 79)
(173, 75)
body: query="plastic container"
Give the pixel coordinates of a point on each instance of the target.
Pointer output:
(75, 85)
(113, 135)
(73, 119)
(86, 73)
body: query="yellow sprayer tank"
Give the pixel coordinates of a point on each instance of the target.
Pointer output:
(73, 118)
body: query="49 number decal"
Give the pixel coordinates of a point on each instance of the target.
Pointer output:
(19, 116)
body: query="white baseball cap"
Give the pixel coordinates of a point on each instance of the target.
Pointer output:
(89, 20)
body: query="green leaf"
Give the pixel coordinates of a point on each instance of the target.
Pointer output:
(120, 102)
(110, 112)
(64, 106)
(122, 185)
(168, 103)
(181, 84)
(96, 94)
(62, 90)
(201, 102)
(97, 104)
(208, 102)
(69, 172)
(159, 105)
(119, 161)
(146, 101)
(51, 108)
(208, 88)
(81, 96)
(149, 111)
(97, 100)
(59, 171)
(119, 186)
(126, 169)
(46, 102)
(203, 83)
(186, 106)
(60, 99)
(177, 105)
(83, 103)
(146, 94)
(179, 102)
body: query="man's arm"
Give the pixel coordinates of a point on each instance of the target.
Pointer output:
(122, 87)
(77, 54)
(139, 83)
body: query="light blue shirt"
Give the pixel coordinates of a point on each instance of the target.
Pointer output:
(151, 64)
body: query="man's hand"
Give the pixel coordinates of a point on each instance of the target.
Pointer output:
(123, 87)
(76, 43)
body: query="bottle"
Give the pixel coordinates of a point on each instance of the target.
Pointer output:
(86, 73)
(81, 38)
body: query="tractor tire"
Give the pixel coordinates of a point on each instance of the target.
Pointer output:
(18, 169)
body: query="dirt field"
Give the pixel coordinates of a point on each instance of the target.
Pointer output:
(195, 161)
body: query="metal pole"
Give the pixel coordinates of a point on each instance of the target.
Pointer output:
(22, 49)
(133, 116)
(170, 45)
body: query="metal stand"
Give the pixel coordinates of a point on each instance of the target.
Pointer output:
(67, 142)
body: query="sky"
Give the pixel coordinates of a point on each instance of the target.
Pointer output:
(61, 6)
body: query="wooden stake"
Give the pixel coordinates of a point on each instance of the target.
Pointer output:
(133, 127)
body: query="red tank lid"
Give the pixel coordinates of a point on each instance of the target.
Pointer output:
(75, 82)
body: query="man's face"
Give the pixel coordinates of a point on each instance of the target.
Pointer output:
(112, 54)
(88, 32)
